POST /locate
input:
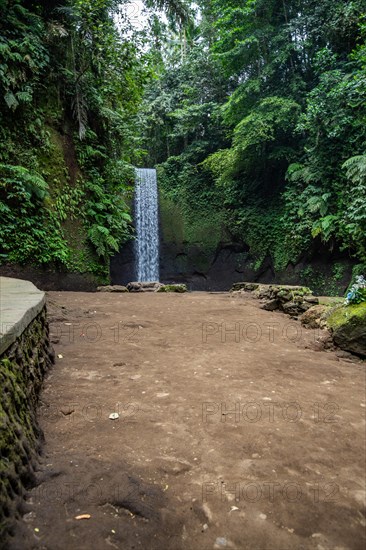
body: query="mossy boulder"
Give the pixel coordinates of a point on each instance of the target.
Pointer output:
(292, 300)
(283, 293)
(144, 287)
(173, 288)
(348, 326)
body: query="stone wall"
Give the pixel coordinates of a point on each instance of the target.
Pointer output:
(25, 356)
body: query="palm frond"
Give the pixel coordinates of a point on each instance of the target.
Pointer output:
(176, 9)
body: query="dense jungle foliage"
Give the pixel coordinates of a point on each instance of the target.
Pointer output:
(70, 86)
(263, 111)
(254, 112)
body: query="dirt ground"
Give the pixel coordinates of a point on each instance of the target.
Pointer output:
(233, 430)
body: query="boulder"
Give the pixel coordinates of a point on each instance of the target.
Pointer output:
(295, 307)
(313, 300)
(144, 287)
(247, 287)
(264, 292)
(314, 317)
(156, 287)
(270, 305)
(291, 308)
(173, 288)
(288, 293)
(293, 300)
(348, 327)
(112, 288)
(284, 293)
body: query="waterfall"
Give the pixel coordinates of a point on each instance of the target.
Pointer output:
(146, 222)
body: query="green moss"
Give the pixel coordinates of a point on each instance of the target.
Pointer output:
(331, 283)
(198, 233)
(22, 368)
(173, 288)
(59, 167)
(81, 257)
(14, 427)
(353, 315)
(331, 301)
(287, 292)
(348, 326)
(204, 230)
(52, 163)
(171, 219)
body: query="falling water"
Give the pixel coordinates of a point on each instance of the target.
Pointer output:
(146, 221)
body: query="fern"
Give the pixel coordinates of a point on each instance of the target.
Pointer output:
(356, 169)
(319, 204)
(112, 243)
(11, 100)
(299, 173)
(4, 48)
(31, 182)
(24, 97)
(99, 235)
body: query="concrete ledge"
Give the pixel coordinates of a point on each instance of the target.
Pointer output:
(20, 303)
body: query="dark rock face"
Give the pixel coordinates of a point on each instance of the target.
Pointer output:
(49, 279)
(187, 263)
(122, 266)
(199, 269)
(22, 369)
(229, 263)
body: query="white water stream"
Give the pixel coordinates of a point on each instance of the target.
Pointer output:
(147, 225)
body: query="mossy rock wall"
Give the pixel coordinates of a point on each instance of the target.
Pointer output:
(59, 167)
(195, 248)
(22, 369)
